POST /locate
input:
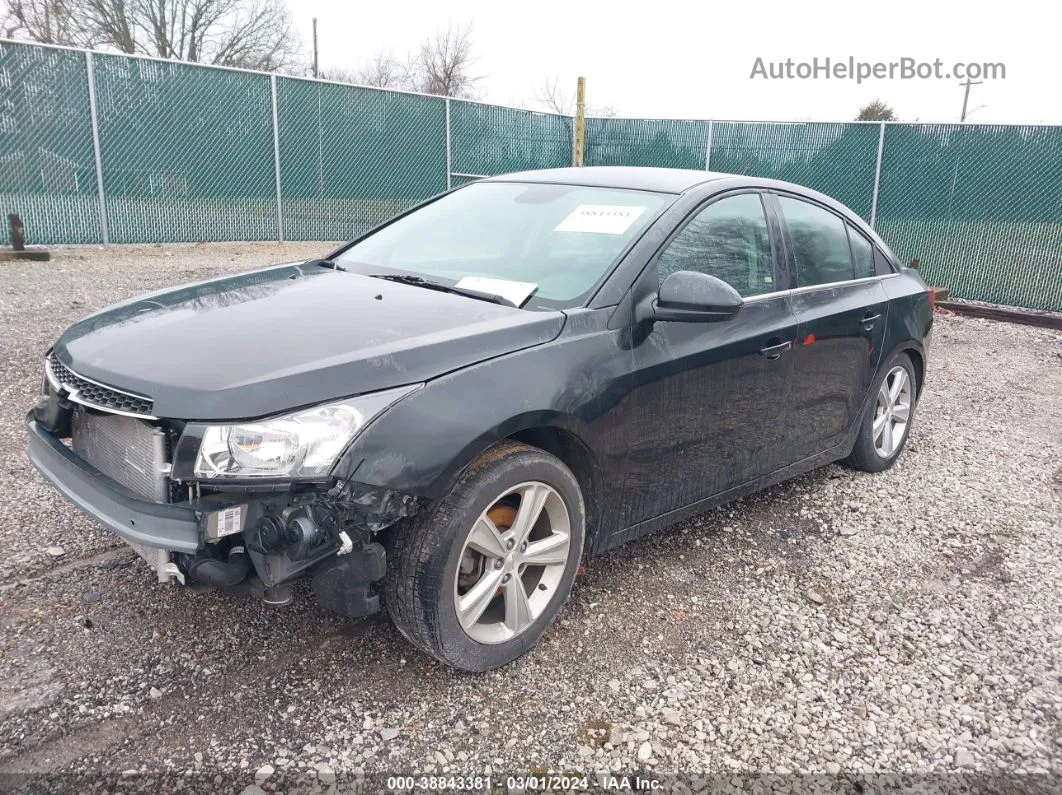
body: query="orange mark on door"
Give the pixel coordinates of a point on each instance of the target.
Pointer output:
(809, 339)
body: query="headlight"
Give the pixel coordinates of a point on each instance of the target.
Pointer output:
(303, 444)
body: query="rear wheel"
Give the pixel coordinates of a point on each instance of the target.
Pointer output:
(887, 420)
(477, 579)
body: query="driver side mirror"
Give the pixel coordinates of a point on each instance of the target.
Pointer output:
(691, 297)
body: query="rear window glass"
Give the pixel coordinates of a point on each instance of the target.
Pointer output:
(882, 265)
(820, 243)
(862, 254)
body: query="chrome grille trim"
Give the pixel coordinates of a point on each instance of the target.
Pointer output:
(93, 394)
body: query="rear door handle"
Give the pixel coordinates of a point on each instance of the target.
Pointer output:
(869, 320)
(772, 352)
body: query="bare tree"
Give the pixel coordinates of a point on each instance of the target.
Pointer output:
(111, 24)
(253, 34)
(46, 21)
(554, 99)
(383, 70)
(443, 64)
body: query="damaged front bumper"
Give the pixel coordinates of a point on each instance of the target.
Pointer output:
(141, 522)
(267, 538)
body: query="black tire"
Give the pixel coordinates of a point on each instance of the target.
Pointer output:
(864, 456)
(425, 552)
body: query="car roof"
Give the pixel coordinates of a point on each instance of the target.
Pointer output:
(663, 180)
(677, 181)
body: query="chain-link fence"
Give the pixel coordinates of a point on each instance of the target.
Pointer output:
(981, 206)
(352, 157)
(47, 165)
(118, 149)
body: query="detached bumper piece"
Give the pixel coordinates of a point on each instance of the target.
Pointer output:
(345, 584)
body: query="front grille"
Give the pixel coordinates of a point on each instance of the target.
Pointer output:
(89, 393)
(125, 449)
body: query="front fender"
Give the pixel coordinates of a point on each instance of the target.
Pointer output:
(422, 442)
(434, 473)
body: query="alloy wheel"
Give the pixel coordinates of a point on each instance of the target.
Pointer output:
(892, 413)
(512, 563)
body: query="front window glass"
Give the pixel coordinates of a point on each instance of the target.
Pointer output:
(562, 238)
(729, 239)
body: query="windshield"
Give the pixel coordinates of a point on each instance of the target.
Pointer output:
(562, 239)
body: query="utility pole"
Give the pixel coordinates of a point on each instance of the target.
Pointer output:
(580, 123)
(966, 96)
(315, 53)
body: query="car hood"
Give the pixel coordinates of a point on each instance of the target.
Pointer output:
(272, 340)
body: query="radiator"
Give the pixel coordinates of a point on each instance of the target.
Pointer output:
(130, 451)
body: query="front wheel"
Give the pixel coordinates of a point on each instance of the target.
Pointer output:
(887, 421)
(477, 579)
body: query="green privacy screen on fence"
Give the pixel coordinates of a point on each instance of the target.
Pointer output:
(646, 142)
(837, 159)
(486, 139)
(352, 157)
(188, 152)
(47, 166)
(981, 206)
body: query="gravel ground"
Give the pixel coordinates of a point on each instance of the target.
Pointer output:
(840, 625)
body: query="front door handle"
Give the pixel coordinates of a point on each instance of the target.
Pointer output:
(869, 320)
(772, 352)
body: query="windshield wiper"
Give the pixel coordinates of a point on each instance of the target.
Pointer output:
(418, 281)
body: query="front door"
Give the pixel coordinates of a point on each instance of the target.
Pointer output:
(708, 402)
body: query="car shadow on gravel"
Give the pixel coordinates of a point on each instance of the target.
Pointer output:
(110, 644)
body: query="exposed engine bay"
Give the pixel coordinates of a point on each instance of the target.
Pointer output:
(261, 536)
(326, 534)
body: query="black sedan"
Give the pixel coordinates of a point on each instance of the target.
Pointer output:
(445, 415)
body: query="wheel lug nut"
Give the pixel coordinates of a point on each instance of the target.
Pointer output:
(506, 578)
(523, 547)
(499, 563)
(509, 544)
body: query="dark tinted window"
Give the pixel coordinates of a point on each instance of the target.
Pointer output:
(882, 266)
(728, 239)
(862, 254)
(820, 243)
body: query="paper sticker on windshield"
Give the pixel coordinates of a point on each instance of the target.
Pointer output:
(601, 219)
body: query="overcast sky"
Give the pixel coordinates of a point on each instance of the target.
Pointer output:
(693, 60)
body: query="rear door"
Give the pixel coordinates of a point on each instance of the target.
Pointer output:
(841, 307)
(707, 410)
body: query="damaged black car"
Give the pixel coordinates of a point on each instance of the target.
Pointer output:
(444, 416)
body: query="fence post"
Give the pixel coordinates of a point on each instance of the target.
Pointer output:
(105, 236)
(877, 178)
(708, 147)
(449, 156)
(276, 157)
